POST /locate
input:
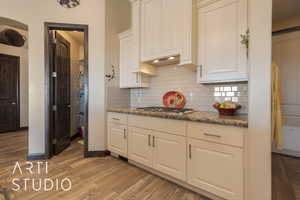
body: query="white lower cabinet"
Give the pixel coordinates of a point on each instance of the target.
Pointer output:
(117, 139)
(169, 154)
(216, 168)
(208, 157)
(163, 152)
(139, 146)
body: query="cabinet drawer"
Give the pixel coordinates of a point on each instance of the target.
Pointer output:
(217, 133)
(117, 118)
(175, 127)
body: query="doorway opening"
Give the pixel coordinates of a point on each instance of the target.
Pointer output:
(286, 99)
(13, 76)
(66, 74)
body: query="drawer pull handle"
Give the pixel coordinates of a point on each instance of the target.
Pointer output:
(190, 151)
(149, 140)
(124, 133)
(116, 119)
(153, 144)
(212, 135)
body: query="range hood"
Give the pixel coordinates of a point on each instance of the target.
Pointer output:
(171, 60)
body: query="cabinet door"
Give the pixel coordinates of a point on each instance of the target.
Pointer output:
(139, 144)
(117, 139)
(136, 34)
(151, 29)
(128, 79)
(222, 56)
(169, 154)
(171, 27)
(216, 168)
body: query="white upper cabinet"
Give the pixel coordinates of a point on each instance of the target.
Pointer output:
(222, 56)
(129, 77)
(133, 73)
(150, 29)
(166, 30)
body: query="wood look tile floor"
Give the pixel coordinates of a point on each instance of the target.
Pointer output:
(92, 178)
(112, 179)
(285, 178)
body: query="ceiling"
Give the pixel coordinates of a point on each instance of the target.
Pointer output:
(283, 9)
(78, 36)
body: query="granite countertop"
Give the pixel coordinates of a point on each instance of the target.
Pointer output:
(197, 116)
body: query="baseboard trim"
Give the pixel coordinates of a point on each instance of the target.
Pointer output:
(23, 128)
(75, 136)
(37, 157)
(286, 155)
(18, 129)
(90, 154)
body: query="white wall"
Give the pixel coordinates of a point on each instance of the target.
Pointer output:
(118, 17)
(22, 52)
(34, 13)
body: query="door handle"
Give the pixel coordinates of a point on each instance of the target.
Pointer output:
(13, 103)
(124, 133)
(212, 135)
(190, 151)
(153, 144)
(149, 140)
(137, 78)
(200, 70)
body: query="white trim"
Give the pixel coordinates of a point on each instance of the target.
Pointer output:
(203, 3)
(258, 185)
(125, 34)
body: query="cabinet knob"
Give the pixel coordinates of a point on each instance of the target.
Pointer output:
(13, 103)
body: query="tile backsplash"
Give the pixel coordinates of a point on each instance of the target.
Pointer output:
(198, 96)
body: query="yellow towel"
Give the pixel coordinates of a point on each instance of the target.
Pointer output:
(276, 108)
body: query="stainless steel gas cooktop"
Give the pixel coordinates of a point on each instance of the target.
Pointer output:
(165, 109)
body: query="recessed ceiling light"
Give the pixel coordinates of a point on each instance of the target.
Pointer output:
(155, 61)
(171, 58)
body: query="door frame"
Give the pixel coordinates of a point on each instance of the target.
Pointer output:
(18, 91)
(48, 83)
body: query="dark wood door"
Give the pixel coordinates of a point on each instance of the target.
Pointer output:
(61, 94)
(9, 93)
